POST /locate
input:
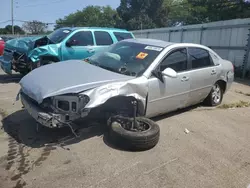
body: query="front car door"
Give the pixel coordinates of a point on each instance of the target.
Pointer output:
(82, 45)
(169, 94)
(203, 75)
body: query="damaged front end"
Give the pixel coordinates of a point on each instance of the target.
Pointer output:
(98, 103)
(19, 62)
(55, 112)
(16, 53)
(43, 53)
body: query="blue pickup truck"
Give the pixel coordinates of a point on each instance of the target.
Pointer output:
(27, 53)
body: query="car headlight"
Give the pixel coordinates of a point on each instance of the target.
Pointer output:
(67, 103)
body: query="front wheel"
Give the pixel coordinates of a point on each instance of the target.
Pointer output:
(215, 96)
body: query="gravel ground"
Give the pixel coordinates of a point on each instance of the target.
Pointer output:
(215, 153)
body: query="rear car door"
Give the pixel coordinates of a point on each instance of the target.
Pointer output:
(82, 46)
(170, 93)
(203, 74)
(102, 41)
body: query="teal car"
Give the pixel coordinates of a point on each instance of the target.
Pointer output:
(27, 53)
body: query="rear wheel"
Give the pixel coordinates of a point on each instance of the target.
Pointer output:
(215, 97)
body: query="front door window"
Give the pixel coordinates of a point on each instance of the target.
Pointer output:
(176, 60)
(82, 38)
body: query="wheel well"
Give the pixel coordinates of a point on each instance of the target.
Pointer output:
(124, 103)
(222, 84)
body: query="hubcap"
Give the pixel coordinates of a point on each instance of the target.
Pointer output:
(127, 124)
(216, 94)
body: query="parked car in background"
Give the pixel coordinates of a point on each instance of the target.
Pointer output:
(157, 76)
(2, 43)
(25, 54)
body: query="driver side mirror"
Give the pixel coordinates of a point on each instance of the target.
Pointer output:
(170, 73)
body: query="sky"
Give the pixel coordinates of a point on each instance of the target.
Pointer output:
(45, 10)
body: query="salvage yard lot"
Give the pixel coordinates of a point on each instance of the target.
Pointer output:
(215, 153)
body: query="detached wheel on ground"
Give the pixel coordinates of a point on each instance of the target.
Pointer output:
(137, 134)
(215, 97)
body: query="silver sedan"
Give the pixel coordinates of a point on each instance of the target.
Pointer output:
(159, 76)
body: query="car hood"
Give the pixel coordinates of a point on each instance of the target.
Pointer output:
(23, 44)
(72, 76)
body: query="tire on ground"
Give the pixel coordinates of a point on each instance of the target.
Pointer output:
(134, 141)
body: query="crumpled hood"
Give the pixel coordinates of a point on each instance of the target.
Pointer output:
(23, 44)
(72, 76)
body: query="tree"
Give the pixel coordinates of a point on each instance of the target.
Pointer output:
(203, 11)
(90, 16)
(145, 13)
(35, 27)
(8, 30)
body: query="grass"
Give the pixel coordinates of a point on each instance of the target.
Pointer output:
(240, 92)
(240, 104)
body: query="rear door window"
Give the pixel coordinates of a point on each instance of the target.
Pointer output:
(200, 58)
(122, 36)
(103, 38)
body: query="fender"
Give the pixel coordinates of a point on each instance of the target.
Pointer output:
(48, 50)
(135, 89)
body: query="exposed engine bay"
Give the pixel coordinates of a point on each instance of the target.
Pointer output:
(42, 42)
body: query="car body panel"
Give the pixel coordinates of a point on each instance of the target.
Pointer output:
(171, 91)
(157, 95)
(48, 50)
(200, 88)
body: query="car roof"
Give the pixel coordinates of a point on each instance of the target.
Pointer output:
(95, 28)
(150, 42)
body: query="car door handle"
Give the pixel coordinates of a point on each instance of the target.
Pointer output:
(184, 78)
(91, 50)
(213, 72)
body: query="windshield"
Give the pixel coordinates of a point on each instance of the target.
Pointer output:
(126, 58)
(58, 35)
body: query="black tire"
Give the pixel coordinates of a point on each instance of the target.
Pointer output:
(134, 141)
(215, 96)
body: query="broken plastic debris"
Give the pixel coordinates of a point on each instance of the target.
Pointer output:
(187, 131)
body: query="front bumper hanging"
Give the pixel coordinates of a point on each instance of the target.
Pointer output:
(46, 119)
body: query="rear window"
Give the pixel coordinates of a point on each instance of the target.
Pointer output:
(103, 38)
(122, 36)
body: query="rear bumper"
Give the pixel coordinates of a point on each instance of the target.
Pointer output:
(230, 80)
(5, 65)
